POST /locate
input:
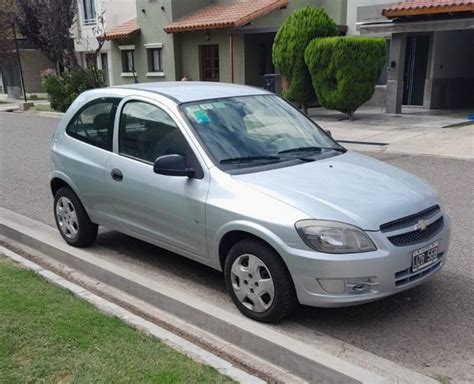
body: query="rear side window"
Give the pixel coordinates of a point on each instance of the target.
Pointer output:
(94, 123)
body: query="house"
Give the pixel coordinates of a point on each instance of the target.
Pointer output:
(431, 59)
(33, 62)
(208, 40)
(94, 17)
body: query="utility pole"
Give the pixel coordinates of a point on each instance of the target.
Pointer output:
(19, 62)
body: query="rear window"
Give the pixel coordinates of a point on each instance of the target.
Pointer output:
(94, 123)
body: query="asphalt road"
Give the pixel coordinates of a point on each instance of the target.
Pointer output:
(429, 328)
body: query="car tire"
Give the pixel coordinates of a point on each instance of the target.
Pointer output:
(72, 220)
(249, 286)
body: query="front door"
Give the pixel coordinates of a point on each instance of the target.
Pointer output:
(168, 210)
(416, 62)
(209, 62)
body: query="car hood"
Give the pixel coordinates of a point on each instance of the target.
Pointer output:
(350, 188)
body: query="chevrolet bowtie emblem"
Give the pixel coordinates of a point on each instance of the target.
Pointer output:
(421, 225)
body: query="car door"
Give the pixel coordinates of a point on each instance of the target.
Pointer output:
(168, 210)
(81, 153)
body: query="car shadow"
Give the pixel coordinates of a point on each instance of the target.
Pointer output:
(396, 308)
(401, 327)
(146, 255)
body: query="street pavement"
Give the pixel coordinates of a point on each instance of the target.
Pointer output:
(428, 329)
(417, 130)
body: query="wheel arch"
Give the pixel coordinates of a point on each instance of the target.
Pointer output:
(56, 184)
(59, 180)
(235, 232)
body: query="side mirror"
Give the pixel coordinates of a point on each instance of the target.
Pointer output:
(172, 165)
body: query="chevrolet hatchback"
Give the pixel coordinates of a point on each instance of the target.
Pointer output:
(238, 179)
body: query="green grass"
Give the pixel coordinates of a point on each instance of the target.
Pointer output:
(47, 335)
(43, 108)
(443, 379)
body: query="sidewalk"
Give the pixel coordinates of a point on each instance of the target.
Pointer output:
(11, 105)
(416, 131)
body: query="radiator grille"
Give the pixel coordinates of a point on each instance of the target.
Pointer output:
(411, 220)
(415, 237)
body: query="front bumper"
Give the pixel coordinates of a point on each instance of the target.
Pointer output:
(329, 280)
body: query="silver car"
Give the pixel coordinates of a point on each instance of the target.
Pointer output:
(238, 179)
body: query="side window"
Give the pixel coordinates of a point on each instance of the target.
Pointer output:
(147, 132)
(94, 123)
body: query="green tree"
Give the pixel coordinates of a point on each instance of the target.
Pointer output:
(47, 25)
(344, 70)
(7, 16)
(289, 46)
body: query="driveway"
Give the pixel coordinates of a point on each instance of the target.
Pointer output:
(428, 328)
(417, 130)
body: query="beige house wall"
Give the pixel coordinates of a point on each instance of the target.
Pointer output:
(33, 63)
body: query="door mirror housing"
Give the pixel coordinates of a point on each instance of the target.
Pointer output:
(172, 165)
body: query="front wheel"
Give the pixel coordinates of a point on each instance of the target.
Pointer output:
(259, 282)
(72, 220)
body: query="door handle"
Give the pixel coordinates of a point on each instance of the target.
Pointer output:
(116, 174)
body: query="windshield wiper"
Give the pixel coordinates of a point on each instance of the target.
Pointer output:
(311, 149)
(245, 159)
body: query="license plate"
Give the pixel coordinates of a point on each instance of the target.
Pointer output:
(424, 257)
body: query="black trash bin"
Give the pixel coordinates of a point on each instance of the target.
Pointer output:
(272, 83)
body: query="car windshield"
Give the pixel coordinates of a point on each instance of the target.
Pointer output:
(255, 130)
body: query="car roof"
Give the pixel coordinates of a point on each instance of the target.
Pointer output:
(188, 91)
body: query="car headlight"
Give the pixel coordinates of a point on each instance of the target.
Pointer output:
(334, 237)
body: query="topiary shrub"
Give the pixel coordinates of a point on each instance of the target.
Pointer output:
(289, 46)
(63, 90)
(344, 70)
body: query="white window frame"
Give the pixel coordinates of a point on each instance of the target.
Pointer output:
(128, 48)
(87, 21)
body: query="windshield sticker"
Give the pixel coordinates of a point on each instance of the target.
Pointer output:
(201, 117)
(207, 106)
(219, 104)
(193, 108)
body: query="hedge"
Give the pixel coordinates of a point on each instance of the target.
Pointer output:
(289, 46)
(63, 90)
(344, 70)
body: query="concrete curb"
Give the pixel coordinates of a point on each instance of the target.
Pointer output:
(182, 345)
(9, 108)
(57, 115)
(295, 356)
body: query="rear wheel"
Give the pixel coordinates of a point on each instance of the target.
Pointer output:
(259, 282)
(72, 220)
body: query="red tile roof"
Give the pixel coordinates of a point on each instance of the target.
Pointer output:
(124, 31)
(428, 7)
(228, 15)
